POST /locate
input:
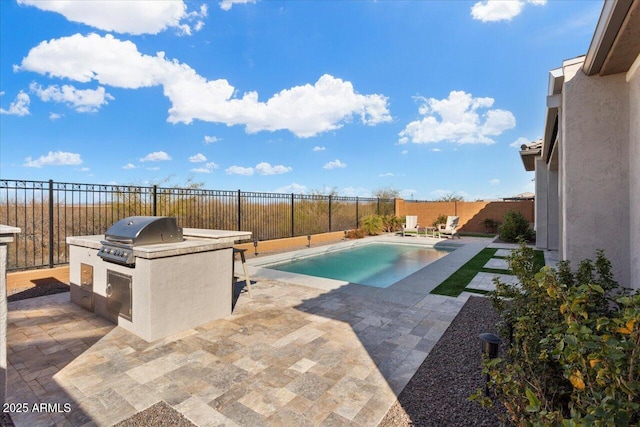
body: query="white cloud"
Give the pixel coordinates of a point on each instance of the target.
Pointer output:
(211, 139)
(292, 188)
(83, 101)
(317, 148)
(457, 119)
(129, 166)
(228, 4)
(497, 121)
(518, 142)
(195, 19)
(84, 169)
(156, 156)
(132, 17)
(198, 158)
(500, 10)
(335, 164)
(54, 116)
(153, 168)
(200, 170)
(436, 150)
(404, 152)
(494, 181)
(262, 168)
(265, 168)
(208, 168)
(58, 158)
(239, 170)
(19, 106)
(355, 192)
(386, 174)
(303, 110)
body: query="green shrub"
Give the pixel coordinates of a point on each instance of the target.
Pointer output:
(391, 223)
(358, 233)
(441, 219)
(372, 225)
(490, 225)
(514, 227)
(574, 354)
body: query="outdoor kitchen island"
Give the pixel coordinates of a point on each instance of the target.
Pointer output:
(168, 288)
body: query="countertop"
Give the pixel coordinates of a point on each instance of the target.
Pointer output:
(195, 240)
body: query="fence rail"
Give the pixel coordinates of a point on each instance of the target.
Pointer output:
(47, 212)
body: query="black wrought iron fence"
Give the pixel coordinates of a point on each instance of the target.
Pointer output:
(47, 212)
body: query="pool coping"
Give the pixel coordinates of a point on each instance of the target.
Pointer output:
(407, 291)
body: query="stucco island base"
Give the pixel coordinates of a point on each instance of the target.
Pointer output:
(173, 287)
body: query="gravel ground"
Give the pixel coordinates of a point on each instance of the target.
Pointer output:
(158, 415)
(5, 420)
(437, 395)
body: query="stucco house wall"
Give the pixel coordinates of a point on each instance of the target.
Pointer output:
(542, 204)
(595, 168)
(633, 78)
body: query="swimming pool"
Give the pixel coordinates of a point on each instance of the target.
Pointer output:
(374, 264)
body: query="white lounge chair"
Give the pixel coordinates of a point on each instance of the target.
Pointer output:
(411, 224)
(450, 228)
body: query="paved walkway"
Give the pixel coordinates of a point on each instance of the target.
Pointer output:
(292, 355)
(484, 281)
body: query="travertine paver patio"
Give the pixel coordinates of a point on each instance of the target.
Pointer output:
(292, 355)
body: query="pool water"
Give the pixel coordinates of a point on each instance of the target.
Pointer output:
(379, 265)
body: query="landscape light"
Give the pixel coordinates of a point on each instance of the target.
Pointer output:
(490, 347)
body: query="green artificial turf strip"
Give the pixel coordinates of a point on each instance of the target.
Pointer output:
(477, 291)
(458, 281)
(495, 271)
(538, 260)
(469, 234)
(455, 284)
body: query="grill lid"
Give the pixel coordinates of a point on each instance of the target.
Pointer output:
(144, 230)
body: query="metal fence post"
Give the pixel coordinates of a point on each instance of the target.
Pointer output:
(154, 199)
(378, 205)
(357, 216)
(293, 230)
(330, 198)
(239, 212)
(50, 223)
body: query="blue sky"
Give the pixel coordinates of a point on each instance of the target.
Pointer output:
(427, 97)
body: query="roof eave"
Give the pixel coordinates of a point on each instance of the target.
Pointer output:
(529, 159)
(554, 100)
(609, 24)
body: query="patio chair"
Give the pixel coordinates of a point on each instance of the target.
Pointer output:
(411, 224)
(450, 228)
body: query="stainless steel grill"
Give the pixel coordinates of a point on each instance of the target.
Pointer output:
(124, 235)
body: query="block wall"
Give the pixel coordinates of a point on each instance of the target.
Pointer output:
(472, 214)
